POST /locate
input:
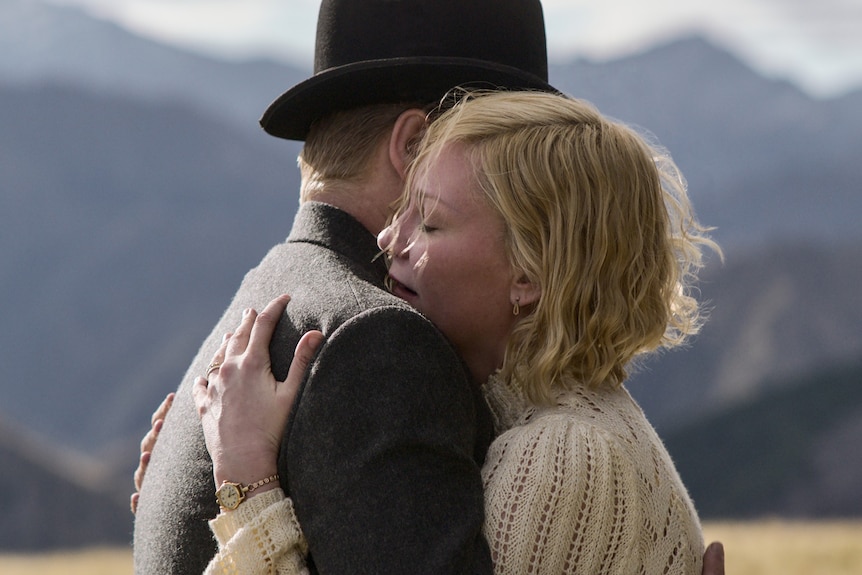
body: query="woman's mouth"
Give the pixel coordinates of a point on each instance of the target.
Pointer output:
(400, 290)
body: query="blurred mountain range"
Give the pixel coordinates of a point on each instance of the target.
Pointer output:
(136, 189)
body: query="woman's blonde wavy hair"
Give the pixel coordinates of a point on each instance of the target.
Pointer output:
(596, 217)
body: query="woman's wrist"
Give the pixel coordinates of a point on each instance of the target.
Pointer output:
(230, 494)
(245, 474)
(263, 489)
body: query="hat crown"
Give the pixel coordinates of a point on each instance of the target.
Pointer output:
(506, 32)
(412, 51)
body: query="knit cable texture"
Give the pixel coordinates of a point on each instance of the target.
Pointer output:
(585, 486)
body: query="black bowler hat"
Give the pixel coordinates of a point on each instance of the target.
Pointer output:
(384, 51)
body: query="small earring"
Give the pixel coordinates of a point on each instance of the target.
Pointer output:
(516, 309)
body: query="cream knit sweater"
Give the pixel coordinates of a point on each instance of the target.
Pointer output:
(260, 536)
(584, 486)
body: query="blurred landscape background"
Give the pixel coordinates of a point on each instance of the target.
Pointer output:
(136, 189)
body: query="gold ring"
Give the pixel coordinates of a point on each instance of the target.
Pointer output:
(212, 367)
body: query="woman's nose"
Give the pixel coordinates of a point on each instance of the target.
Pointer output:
(393, 239)
(384, 239)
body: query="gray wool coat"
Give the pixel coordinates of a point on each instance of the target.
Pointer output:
(383, 449)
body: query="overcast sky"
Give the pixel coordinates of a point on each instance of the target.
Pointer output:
(816, 43)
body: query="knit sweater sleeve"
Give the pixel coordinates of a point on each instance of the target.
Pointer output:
(262, 536)
(565, 496)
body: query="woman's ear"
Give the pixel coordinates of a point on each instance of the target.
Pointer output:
(524, 292)
(407, 130)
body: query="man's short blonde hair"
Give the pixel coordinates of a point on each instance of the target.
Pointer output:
(597, 217)
(339, 147)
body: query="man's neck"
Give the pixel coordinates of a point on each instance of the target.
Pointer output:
(368, 202)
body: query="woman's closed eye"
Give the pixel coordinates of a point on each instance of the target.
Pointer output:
(427, 221)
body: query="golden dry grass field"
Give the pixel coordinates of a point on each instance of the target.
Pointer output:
(789, 548)
(752, 548)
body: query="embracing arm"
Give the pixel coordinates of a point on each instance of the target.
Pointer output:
(272, 515)
(243, 411)
(406, 495)
(380, 452)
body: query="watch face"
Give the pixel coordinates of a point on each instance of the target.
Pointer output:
(229, 496)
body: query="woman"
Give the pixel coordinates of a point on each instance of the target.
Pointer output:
(553, 248)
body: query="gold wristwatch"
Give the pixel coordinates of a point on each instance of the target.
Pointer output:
(231, 494)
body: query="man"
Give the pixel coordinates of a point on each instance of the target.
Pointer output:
(384, 446)
(383, 449)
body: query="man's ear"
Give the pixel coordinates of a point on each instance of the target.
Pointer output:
(524, 292)
(408, 128)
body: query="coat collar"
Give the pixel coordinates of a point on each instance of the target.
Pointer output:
(338, 231)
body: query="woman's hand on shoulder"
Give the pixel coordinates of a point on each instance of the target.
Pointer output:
(242, 407)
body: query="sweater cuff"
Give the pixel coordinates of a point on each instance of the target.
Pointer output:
(228, 523)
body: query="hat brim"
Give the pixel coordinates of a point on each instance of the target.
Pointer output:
(386, 81)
